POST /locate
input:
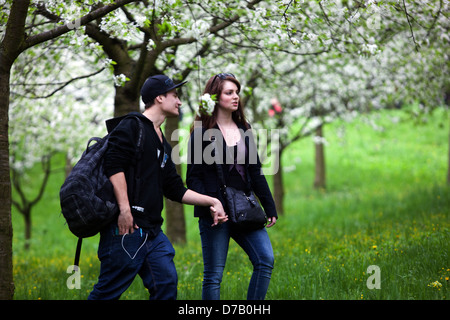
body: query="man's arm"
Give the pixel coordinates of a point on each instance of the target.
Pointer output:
(125, 220)
(218, 214)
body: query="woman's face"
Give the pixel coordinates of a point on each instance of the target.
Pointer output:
(229, 98)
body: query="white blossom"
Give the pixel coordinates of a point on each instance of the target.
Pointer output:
(119, 80)
(320, 140)
(207, 104)
(150, 45)
(199, 29)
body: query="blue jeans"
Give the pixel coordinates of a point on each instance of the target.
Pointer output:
(124, 257)
(215, 242)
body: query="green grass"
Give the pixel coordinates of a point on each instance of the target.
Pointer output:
(386, 204)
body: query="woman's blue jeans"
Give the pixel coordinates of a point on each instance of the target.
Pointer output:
(215, 242)
(124, 257)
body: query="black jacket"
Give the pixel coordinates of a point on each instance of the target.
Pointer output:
(202, 175)
(154, 181)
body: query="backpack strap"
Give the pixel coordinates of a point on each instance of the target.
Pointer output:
(135, 169)
(216, 163)
(78, 252)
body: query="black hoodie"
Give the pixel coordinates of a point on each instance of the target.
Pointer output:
(158, 175)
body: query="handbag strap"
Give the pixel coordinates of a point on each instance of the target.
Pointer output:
(218, 166)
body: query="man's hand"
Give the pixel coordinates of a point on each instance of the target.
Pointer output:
(217, 213)
(125, 222)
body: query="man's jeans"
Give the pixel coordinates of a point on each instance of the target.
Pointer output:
(215, 242)
(123, 257)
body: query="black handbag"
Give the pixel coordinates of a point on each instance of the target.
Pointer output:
(244, 210)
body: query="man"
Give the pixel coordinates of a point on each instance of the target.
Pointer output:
(136, 245)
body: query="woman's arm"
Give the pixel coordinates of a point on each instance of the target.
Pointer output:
(218, 214)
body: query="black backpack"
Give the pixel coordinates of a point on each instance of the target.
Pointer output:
(87, 196)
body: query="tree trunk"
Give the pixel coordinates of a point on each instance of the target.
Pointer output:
(448, 159)
(319, 179)
(27, 216)
(124, 102)
(278, 188)
(68, 166)
(175, 221)
(6, 232)
(447, 103)
(9, 51)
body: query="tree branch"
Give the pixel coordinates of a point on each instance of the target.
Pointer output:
(25, 205)
(46, 166)
(435, 19)
(58, 31)
(212, 30)
(10, 46)
(417, 46)
(62, 84)
(17, 186)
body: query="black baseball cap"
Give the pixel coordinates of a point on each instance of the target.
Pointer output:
(157, 85)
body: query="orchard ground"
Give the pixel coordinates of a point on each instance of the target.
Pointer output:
(386, 205)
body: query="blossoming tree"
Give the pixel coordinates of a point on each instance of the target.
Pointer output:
(17, 36)
(311, 48)
(50, 114)
(384, 53)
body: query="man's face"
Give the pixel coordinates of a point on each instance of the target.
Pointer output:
(171, 104)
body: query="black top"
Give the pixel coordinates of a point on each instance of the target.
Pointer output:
(236, 178)
(157, 177)
(201, 175)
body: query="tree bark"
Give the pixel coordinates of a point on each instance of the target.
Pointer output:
(6, 232)
(9, 51)
(124, 102)
(278, 188)
(25, 206)
(448, 159)
(319, 179)
(447, 103)
(175, 221)
(27, 216)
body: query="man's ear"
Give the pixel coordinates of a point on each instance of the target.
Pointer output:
(159, 98)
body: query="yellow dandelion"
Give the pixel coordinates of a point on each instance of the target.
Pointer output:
(435, 284)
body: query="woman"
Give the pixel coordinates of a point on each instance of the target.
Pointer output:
(229, 127)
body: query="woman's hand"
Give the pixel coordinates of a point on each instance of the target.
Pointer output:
(217, 213)
(272, 221)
